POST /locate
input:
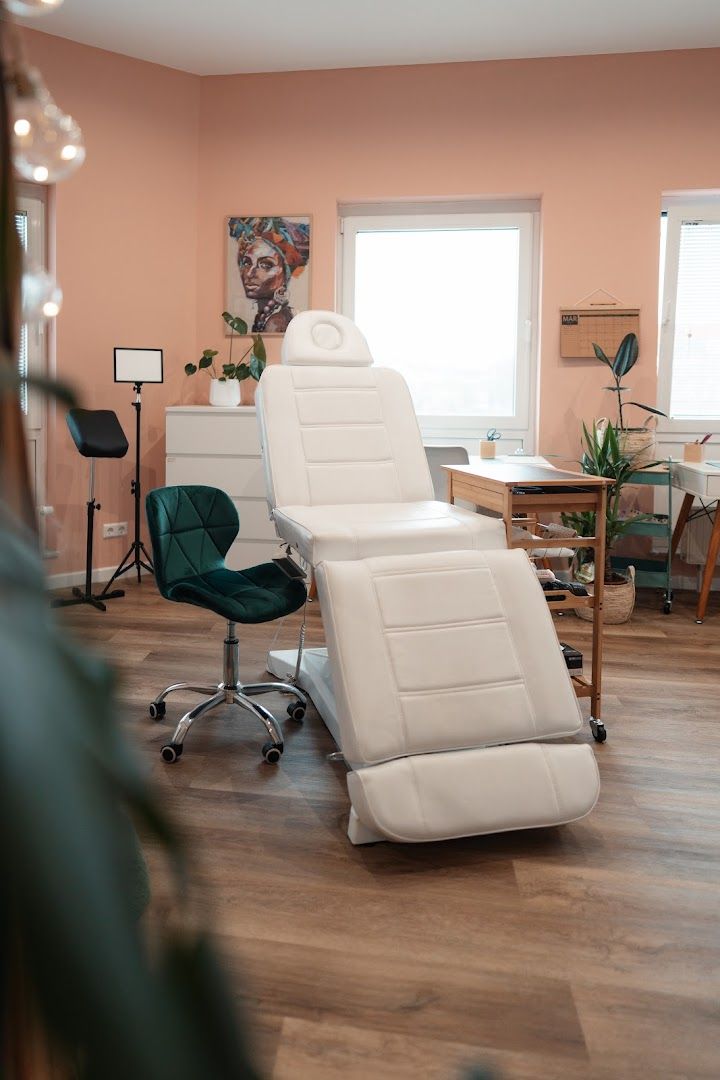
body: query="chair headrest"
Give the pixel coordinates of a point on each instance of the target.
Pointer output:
(315, 338)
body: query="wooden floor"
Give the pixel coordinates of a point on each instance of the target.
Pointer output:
(589, 951)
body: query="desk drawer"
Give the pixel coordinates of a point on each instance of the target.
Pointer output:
(241, 477)
(212, 433)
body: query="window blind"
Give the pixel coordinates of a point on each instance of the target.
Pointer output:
(21, 224)
(695, 387)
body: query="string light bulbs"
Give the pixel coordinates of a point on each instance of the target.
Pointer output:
(41, 295)
(47, 144)
(29, 8)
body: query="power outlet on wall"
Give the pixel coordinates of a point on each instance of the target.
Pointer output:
(115, 528)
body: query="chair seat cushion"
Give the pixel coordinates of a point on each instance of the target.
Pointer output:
(365, 530)
(255, 595)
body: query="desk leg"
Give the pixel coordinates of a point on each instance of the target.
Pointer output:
(712, 554)
(598, 729)
(681, 522)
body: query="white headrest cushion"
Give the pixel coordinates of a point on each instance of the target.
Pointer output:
(323, 337)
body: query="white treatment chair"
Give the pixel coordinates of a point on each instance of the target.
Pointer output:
(346, 471)
(349, 489)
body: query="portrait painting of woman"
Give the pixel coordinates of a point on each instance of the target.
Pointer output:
(268, 273)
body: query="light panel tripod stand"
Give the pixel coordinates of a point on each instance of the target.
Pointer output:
(134, 559)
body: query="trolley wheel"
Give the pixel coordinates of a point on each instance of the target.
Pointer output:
(272, 752)
(296, 711)
(171, 752)
(667, 607)
(599, 732)
(156, 710)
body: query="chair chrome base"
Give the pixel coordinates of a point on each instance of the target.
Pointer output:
(230, 692)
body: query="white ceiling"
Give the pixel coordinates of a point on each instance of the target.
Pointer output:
(229, 36)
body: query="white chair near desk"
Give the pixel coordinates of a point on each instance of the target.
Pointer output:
(434, 687)
(438, 456)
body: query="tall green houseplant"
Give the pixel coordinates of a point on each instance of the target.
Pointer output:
(625, 360)
(602, 456)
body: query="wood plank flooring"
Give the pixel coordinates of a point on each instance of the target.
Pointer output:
(589, 951)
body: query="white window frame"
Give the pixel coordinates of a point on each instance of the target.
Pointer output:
(518, 429)
(32, 200)
(678, 211)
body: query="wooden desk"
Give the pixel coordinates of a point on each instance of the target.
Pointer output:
(514, 488)
(702, 481)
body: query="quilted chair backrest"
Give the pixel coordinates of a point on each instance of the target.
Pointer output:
(191, 529)
(334, 429)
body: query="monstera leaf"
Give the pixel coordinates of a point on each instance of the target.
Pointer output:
(238, 325)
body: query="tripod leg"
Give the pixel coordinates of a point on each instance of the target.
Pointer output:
(122, 569)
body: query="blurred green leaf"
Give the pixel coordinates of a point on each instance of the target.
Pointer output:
(74, 882)
(10, 378)
(190, 369)
(242, 372)
(211, 353)
(205, 362)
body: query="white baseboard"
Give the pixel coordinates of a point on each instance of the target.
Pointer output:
(100, 575)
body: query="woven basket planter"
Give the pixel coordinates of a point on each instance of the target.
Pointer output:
(618, 601)
(638, 444)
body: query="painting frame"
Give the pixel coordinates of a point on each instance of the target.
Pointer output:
(283, 233)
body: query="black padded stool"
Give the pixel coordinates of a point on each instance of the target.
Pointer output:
(97, 434)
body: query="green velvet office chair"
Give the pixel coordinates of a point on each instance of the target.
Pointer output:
(191, 529)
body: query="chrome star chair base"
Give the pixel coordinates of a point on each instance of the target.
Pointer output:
(231, 691)
(191, 529)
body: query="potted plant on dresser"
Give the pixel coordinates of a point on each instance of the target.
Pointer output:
(225, 387)
(603, 456)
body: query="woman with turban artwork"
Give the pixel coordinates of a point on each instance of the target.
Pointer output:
(268, 275)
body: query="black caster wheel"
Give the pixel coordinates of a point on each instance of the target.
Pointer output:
(171, 752)
(667, 607)
(156, 710)
(599, 732)
(296, 711)
(272, 752)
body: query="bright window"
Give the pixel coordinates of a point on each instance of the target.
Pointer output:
(446, 299)
(690, 317)
(30, 222)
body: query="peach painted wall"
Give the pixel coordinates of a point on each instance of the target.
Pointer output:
(597, 138)
(140, 234)
(126, 244)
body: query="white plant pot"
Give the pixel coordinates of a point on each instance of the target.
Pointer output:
(224, 394)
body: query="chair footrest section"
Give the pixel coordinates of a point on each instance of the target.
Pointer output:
(469, 792)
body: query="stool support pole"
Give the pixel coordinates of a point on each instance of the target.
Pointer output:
(87, 597)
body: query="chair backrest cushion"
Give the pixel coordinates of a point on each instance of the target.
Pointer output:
(191, 529)
(340, 435)
(442, 651)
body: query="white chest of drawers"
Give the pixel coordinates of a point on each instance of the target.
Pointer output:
(221, 448)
